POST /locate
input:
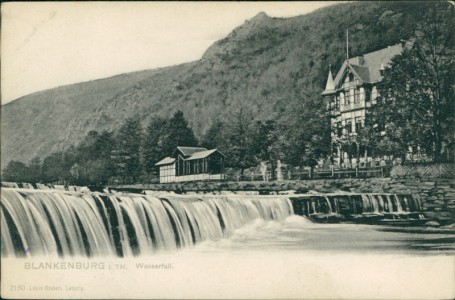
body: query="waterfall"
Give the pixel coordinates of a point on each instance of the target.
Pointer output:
(355, 204)
(397, 201)
(329, 206)
(68, 223)
(389, 203)
(42, 186)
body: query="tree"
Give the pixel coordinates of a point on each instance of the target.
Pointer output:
(179, 133)
(34, 170)
(238, 140)
(269, 143)
(154, 147)
(417, 105)
(390, 131)
(127, 150)
(93, 163)
(53, 168)
(16, 171)
(215, 136)
(263, 139)
(305, 130)
(316, 135)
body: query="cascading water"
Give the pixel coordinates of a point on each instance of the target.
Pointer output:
(56, 222)
(389, 203)
(360, 208)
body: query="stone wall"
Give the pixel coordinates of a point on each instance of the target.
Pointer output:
(433, 170)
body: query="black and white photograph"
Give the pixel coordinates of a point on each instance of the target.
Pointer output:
(228, 150)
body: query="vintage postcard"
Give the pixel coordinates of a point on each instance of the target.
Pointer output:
(227, 150)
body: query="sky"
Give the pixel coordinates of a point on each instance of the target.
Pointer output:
(49, 44)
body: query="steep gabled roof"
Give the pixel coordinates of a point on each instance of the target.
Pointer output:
(363, 73)
(204, 154)
(367, 67)
(375, 59)
(196, 153)
(188, 151)
(340, 74)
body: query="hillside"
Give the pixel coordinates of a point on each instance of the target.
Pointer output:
(267, 66)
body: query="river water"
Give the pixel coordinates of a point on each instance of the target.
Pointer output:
(298, 234)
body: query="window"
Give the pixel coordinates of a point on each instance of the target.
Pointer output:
(358, 124)
(348, 97)
(337, 101)
(348, 126)
(356, 96)
(339, 129)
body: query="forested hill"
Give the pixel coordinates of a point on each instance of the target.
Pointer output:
(270, 68)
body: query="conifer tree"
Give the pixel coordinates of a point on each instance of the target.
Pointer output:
(128, 150)
(179, 133)
(215, 136)
(154, 144)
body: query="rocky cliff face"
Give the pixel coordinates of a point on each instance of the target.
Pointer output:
(228, 45)
(265, 66)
